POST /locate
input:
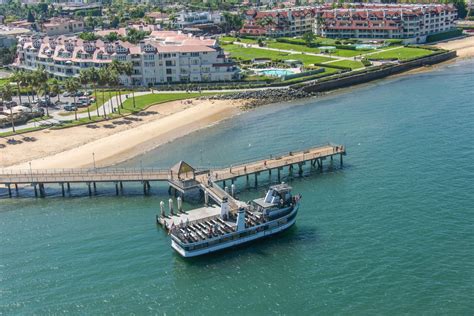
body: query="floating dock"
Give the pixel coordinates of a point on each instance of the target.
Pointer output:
(181, 178)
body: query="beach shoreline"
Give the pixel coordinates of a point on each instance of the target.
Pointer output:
(115, 141)
(109, 143)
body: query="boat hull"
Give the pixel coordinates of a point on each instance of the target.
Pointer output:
(240, 241)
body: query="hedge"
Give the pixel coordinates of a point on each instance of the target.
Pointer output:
(443, 36)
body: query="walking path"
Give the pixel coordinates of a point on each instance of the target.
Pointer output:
(111, 105)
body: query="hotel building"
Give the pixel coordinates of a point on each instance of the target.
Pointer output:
(163, 57)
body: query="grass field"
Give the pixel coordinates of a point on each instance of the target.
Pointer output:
(295, 47)
(235, 39)
(3, 81)
(248, 54)
(402, 53)
(145, 101)
(353, 64)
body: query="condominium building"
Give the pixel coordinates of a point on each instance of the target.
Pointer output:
(280, 22)
(359, 20)
(382, 21)
(163, 57)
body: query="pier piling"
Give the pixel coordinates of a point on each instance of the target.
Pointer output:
(179, 180)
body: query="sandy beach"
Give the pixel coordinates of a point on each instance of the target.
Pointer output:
(463, 46)
(116, 140)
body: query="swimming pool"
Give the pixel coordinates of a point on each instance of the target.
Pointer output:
(365, 47)
(276, 72)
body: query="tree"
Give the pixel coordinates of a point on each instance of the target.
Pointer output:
(30, 18)
(18, 77)
(308, 38)
(103, 81)
(88, 36)
(114, 23)
(111, 37)
(40, 81)
(84, 80)
(72, 86)
(461, 7)
(128, 71)
(55, 87)
(7, 96)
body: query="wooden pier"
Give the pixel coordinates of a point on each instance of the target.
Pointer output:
(181, 178)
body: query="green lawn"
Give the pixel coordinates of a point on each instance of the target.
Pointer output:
(403, 53)
(309, 59)
(353, 64)
(145, 101)
(235, 39)
(4, 81)
(295, 47)
(248, 54)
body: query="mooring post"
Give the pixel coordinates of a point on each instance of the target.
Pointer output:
(279, 175)
(95, 188)
(16, 188)
(290, 170)
(144, 188)
(116, 188)
(90, 189)
(341, 159)
(62, 189)
(256, 180)
(247, 176)
(270, 174)
(9, 190)
(232, 181)
(223, 183)
(121, 187)
(300, 169)
(321, 167)
(41, 190)
(36, 190)
(68, 187)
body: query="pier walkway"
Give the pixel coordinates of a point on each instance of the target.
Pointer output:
(182, 177)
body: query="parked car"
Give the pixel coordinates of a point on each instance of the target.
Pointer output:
(84, 100)
(66, 94)
(28, 105)
(70, 108)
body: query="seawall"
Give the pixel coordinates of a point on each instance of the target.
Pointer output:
(384, 71)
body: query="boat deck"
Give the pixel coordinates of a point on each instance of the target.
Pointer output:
(212, 227)
(194, 215)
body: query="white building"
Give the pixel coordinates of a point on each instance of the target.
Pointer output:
(186, 19)
(164, 57)
(380, 21)
(61, 26)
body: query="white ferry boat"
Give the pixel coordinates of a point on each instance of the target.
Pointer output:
(259, 218)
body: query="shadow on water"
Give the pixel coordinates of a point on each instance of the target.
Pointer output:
(264, 247)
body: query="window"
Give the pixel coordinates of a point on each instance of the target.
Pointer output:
(169, 72)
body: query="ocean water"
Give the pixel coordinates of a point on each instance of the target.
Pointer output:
(390, 233)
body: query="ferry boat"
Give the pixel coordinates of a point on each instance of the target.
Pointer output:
(257, 219)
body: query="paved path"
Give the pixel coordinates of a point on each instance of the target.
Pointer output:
(113, 104)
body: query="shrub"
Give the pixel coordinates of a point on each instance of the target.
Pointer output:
(443, 36)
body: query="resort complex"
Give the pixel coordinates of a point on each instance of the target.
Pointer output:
(376, 21)
(163, 57)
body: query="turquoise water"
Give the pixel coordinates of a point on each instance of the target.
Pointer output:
(391, 233)
(276, 72)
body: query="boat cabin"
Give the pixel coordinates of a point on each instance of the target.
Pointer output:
(278, 196)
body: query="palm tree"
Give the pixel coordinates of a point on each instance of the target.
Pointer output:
(72, 86)
(46, 90)
(84, 80)
(93, 77)
(114, 81)
(18, 77)
(117, 66)
(7, 96)
(55, 87)
(103, 81)
(128, 71)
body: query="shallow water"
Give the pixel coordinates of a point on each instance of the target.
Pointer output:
(392, 232)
